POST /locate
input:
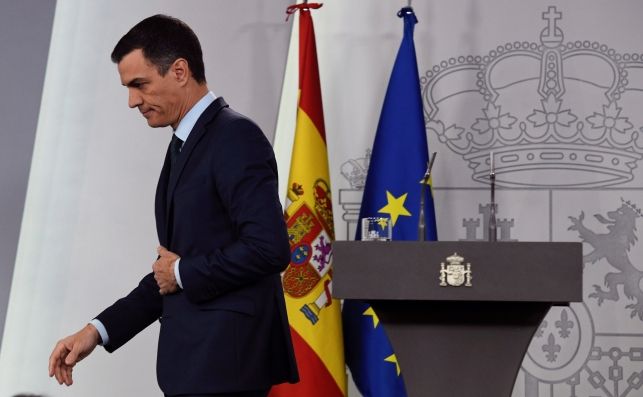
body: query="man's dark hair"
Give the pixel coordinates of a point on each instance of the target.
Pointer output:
(163, 40)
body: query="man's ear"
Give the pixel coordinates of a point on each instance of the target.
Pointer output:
(181, 71)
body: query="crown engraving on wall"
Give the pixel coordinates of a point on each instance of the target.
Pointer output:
(355, 170)
(555, 113)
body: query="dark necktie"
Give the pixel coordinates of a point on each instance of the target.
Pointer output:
(175, 148)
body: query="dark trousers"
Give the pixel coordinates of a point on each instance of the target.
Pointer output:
(259, 393)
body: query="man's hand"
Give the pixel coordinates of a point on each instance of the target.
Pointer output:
(164, 271)
(71, 350)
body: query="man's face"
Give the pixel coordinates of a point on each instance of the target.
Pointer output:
(157, 97)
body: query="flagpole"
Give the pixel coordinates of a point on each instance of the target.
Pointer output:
(424, 181)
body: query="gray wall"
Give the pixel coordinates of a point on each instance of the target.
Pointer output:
(25, 32)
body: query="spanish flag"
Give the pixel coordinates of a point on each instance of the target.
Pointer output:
(315, 318)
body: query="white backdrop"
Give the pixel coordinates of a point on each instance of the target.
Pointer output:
(89, 206)
(88, 230)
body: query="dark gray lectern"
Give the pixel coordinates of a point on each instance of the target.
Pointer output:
(459, 341)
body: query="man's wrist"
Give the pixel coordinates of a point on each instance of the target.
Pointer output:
(103, 337)
(94, 331)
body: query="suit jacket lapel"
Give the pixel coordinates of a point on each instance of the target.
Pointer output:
(193, 139)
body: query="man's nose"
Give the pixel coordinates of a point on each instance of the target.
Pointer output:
(134, 99)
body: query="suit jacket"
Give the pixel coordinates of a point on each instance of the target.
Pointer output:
(218, 209)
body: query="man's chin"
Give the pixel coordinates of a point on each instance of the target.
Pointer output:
(156, 123)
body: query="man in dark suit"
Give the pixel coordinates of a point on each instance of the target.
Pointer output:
(215, 286)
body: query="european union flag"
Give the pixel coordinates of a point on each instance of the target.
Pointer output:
(398, 163)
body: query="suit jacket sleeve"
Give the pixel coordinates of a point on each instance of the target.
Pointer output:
(130, 315)
(244, 171)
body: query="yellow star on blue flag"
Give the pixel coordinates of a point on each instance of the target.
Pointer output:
(395, 207)
(371, 312)
(393, 359)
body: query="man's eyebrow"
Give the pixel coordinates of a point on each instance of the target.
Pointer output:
(134, 82)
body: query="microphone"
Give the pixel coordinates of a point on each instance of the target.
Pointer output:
(424, 181)
(492, 210)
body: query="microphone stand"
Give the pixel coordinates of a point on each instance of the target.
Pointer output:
(492, 210)
(424, 181)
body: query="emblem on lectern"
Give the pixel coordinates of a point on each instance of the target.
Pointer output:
(455, 273)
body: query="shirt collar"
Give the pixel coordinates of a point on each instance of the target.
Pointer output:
(190, 119)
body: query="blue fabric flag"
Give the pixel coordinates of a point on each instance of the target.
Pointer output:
(393, 189)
